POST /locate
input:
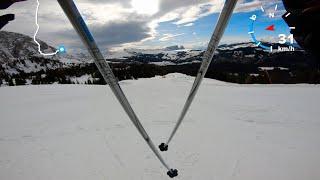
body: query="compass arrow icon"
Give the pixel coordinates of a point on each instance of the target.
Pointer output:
(270, 28)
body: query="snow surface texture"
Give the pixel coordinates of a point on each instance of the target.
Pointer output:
(232, 132)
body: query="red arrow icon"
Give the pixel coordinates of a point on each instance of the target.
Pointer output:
(270, 28)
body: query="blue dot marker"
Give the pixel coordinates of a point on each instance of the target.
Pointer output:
(62, 49)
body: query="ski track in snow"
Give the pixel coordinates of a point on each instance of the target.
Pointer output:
(232, 132)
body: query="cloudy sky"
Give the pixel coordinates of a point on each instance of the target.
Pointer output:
(118, 24)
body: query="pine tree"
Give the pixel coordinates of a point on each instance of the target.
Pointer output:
(11, 82)
(20, 81)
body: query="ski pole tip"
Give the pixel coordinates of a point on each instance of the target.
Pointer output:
(172, 173)
(163, 147)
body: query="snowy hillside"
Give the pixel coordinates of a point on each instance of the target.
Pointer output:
(167, 54)
(178, 54)
(232, 132)
(15, 45)
(19, 53)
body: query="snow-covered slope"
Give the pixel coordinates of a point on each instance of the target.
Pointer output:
(232, 132)
(172, 54)
(245, 52)
(19, 52)
(15, 45)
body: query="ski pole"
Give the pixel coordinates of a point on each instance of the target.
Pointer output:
(83, 31)
(208, 56)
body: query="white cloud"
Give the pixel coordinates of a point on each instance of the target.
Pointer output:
(116, 22)
(168, 36)
(145, 7)
(104, 13)
(190, 13)
(253, 5)
(189, 24)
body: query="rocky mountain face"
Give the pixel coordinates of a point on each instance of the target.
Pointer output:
(16, 46)
(19, 53)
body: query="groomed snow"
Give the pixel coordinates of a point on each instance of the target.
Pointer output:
(232, 132)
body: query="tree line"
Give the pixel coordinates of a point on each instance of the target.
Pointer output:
(225, 71)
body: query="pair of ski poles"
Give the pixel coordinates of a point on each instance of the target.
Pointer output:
(83, 31)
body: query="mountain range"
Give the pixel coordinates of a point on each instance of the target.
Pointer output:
(19, 54)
